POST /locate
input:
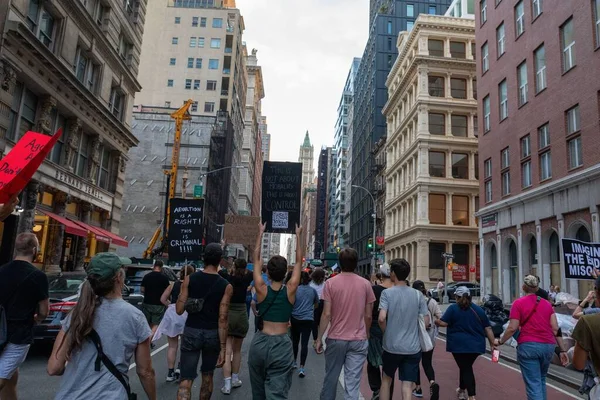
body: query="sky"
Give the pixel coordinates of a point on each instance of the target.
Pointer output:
(305, 48)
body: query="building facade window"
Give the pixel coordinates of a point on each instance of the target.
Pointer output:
(500, 39)
(486, 114)
(201, 42)
(213, 64)
(202, 22)
(194, 22)
(483, 11)
(573, 124)
(476, 165)
(458, 87)
(505, 165)
(58, 121)
(437, 209)
(174, 40)
(437, 86)
(209, 107)
(432, 10)
(435, 47)
(22, 112)
(459, 125)
(410, 10)
(116, 102)
(389, 28)
(505, 158)
(544, 136)
(437, 124)
(188, 84)
(540, 68)
(195, 106)
(215, 43)
(487, 168)
(81, 160)
(458, 50)
(169, 82)
(488, 191)
(503, 100)
(567, 37)
(177, 20)
(198, 63)
(522, 82)
(172, 61)
(485, 58)
(437, 164)
(545, 165)
(409, 25)
(536, 8)
(575, 153)
(460, 210)
(525, 146)
(526, 174)
(217, 22)
(193, 41)
(196, 84)
(190, 62)
(505, 183)
(105, 170)
(41, 23)
(211, 85)
(460, 166)
(519, 18)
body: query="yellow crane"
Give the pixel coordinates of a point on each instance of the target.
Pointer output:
(179, 116)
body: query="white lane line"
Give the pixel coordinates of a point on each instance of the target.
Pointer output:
(519, 371)
(155, 352)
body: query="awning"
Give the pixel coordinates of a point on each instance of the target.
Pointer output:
(70, 227)
(100, 236)
(116, 239)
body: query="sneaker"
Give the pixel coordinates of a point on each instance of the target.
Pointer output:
(435, 391)
(171, 377)
(418, 393)
(301, 373)
(461, 394)
(225, 390)
(295, 366)
(236, 384)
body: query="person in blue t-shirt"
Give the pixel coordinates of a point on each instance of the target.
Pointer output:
(468, 326)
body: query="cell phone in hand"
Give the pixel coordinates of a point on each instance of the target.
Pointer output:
(495, 355)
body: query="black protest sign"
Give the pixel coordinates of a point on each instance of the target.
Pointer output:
(580, 258)
(185, 229)
(281, 188)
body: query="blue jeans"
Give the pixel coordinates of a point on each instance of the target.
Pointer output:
(534, 360)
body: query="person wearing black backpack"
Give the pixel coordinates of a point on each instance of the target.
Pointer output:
(23, 301)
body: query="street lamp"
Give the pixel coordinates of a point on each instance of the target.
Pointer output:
(373, 260)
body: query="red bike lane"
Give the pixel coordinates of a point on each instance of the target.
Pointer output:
(494, 381)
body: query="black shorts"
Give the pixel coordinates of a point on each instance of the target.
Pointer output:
(195, 342)
(406, 364)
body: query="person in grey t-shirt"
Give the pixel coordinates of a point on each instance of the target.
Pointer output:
(123, 332)
(399, 310)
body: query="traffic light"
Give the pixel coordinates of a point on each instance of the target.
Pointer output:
(370, 244)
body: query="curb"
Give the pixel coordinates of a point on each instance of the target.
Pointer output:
(563, 379)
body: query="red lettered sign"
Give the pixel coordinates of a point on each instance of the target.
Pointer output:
(19, 165)
(460, 273)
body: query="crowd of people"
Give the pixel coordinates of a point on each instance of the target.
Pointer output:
(384, 323)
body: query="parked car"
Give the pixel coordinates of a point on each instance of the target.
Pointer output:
(64, 291)
(134, 274)
(474, 288)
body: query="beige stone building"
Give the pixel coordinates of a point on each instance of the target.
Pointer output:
(71, 65)
(432, 187)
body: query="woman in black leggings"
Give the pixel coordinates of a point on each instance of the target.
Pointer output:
(302, 319)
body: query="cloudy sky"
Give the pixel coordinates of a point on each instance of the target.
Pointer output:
(305, 48)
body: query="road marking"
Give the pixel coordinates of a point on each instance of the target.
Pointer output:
(155, 352)
(519, 371)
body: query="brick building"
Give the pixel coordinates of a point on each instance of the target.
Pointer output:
(539, 141)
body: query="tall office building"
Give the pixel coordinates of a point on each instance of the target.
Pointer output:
(306, 157)
(322, 202)
(386, 19)
(331, 203)
(266, 139)
(193, 50)
(340, 170)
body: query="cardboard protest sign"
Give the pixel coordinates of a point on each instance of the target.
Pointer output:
(19, 165)
(185, 229)
(580, 258)
(241, 229)
(281, 192)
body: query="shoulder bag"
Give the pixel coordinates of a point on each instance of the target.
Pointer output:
(518, 331)
(3, 319)
(103, 358)
(193, 306)
(424, 338)
(259, 317)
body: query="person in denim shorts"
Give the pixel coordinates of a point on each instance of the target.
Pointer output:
(205, 332)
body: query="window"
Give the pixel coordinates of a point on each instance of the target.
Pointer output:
(436, 262)
(22, 113)
(125, 47)
(437, 164)
(193, 41)
(389, 44)
(196, 84)
(211, 85)
(458, 88)
(596, 4)
(460, 210)
(503, 100)
(436, 86)
(168, 104)
(575, 153)
(437, 209)
(485, 58)
(475, 126)
(522, 81)
(544, 136)
(209, 107)
(410, 10)
(104, 173)
(437, 124)
(389, 28)
(217, 23)
(169, 82)
(194, 21)
(200, 42)
(458, 50)
(505, 158)
(500, 38)
(525, 146)
(41, 23)
(58, 121)
(188, 83)
(203, 22)
(174, 40)
(81, 63)
(476, 165)
(488, 191)
(526, 174)
(519, 18)
(195, 106)
(459, 125)
(505, 183)
(460, 166)
(172, 61)
(213, 64)
(473, 51)
(432, 10)
(573, 124)
(177, 20)
(487, 168)
(436, 47)
(540, 68)
(483, 10)
(568, 45)
(215, 43)
(92, 77)
(190, 63)
(537, 8)
(115, 105)
(82, 157)
(545, 166)
(198, 63)
(486, 114)
(474, 83)
(409, 25)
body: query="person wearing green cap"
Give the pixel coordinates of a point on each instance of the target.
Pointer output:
(121, 328)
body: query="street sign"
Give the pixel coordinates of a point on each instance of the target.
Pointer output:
(447, 255)
(198, 191)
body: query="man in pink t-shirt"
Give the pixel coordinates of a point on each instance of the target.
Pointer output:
(348, 308)
(538, 335)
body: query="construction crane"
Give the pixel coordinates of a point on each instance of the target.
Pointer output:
(179, 116)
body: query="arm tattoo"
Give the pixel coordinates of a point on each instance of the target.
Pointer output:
(224, 317)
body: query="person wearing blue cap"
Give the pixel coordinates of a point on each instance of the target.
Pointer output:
(102, 322)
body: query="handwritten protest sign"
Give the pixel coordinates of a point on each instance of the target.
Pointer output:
(185, 229)
(580, 258)
(281, 187)
(19, 165)
(241, 229)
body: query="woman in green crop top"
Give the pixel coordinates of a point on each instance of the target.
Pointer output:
(270, 360)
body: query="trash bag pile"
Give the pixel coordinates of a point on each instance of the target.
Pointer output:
(494, 309)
